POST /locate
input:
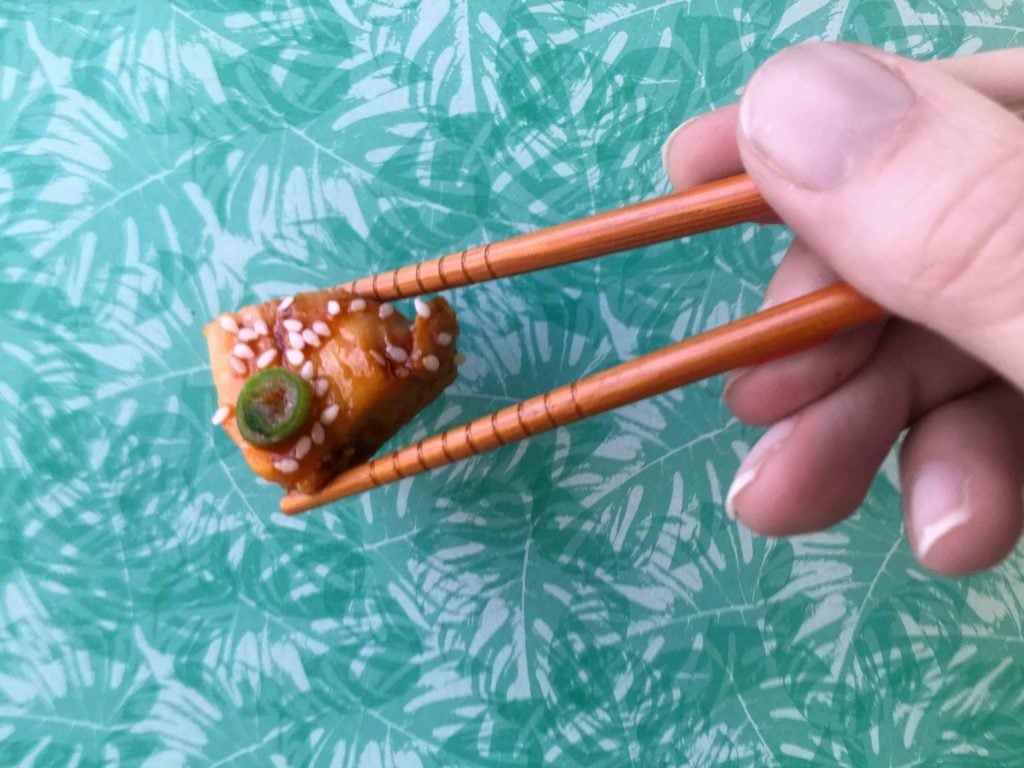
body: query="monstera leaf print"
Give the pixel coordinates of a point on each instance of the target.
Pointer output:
(577, 599)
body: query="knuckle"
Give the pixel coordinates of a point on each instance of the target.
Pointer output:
(975, 247)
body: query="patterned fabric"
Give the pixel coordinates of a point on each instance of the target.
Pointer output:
(577, 600)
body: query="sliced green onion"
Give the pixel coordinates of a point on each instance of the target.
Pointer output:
(273, 405)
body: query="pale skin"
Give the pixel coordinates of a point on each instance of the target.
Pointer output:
(905, 179)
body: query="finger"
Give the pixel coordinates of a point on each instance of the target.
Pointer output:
(907, 182)
(771, 391)
(962, 468)
(704, 147)
(813, 469)
(997, 74)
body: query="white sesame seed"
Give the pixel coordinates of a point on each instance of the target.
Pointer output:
(295, 357)
(285, 304)
(460, 359)
(320, 328)
(228, 323)
(378, 357)
(321, 386)
(295, 340)
(431, 363)
(286, 465)
(260, 326)
(302, 446)
(307, 370)
(317, 433)
(397, 354)
(333, 308)
(243, 351)
(386, 310)
(444, 338)
(220, 415)
(266, 358)
(238, 366)
(247, 334)
(357, 305)
(291, 324)
(330, 414)
(311, 338)
(422, 308)
(402, 373)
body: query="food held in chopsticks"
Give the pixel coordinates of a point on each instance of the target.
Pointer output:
(780, 330)
(314, 384)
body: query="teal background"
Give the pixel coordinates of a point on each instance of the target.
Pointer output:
(577, 600)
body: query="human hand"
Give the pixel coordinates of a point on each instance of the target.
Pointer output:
(906, 180)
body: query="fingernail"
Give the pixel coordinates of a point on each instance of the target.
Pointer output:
(751, 465)
(938, 505)
(818, 112)
(732, 377)
(670, 139)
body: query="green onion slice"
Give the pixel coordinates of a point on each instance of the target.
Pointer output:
(273, 405)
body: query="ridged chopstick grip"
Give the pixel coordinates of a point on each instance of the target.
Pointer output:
(781, 330)
(710, 206)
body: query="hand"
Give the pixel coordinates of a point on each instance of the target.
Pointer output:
(906, 180)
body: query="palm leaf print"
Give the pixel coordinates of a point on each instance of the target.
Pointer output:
(578, 599)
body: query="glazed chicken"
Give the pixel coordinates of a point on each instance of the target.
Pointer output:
(312, 385)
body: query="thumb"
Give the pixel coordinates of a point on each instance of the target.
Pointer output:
(909, 183)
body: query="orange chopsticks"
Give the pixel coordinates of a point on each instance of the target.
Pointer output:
(781, 330)
(710, 206)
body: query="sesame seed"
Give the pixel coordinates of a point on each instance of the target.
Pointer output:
(431, 363)
(247, 334)
(286, 465)
(295, 357)
(317, 433)
(422, 308)
(311, 338)
(386, 310)
(397, 354)
(296, 340)
(460, 359)
(285, 304)
(321, 386)
(243, 351)
(238, 366)
(302, 446)
(266, 358)
(307, 370)
(227, 322)
(220, 415)
(320, 328)
(333, 308)
(444, 338)
(357, 305)
(378, 357)
(330, 414)
(260, 327)
(291, 324)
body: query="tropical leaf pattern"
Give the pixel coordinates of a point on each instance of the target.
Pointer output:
(576, 600)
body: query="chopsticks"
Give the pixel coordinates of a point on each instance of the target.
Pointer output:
(781, 330)
(717, 205)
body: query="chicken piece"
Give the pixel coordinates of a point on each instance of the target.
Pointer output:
(368, 372)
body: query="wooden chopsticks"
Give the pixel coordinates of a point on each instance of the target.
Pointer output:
(711, 206)
(781, 330)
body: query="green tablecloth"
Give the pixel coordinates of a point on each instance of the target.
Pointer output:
(578, 600)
